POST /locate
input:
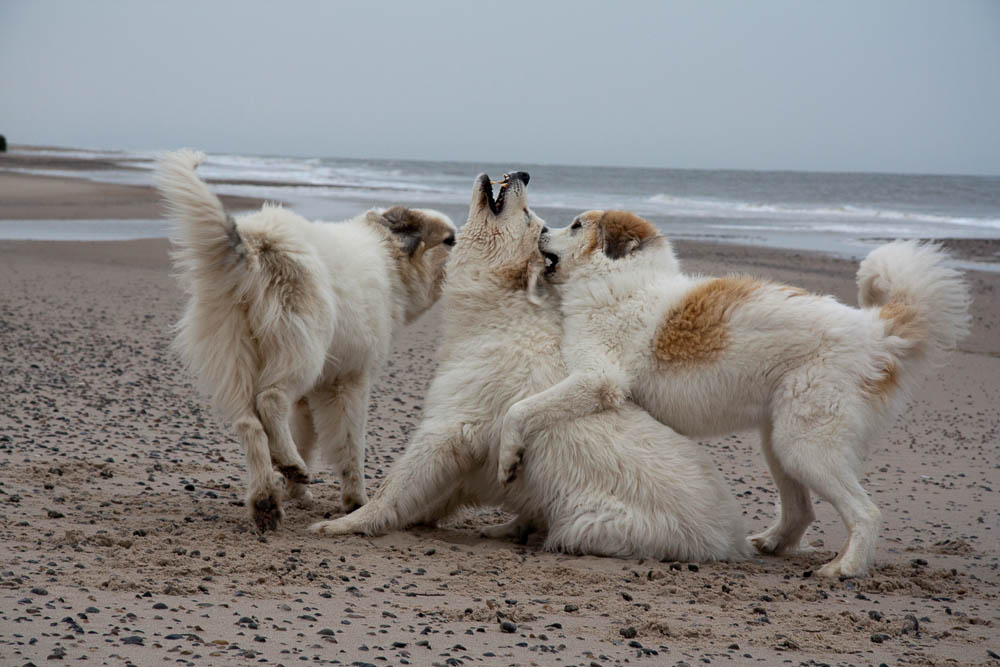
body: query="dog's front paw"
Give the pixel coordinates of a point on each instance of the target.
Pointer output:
(509, 465)
(511, 450)
(345, 525)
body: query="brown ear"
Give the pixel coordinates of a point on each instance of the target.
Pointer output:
(416, 227)
(623, 233)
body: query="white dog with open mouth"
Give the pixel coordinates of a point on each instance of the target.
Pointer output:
(618, 483)
(288, 322)
(713, 355)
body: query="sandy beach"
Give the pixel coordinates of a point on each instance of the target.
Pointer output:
(125, 539)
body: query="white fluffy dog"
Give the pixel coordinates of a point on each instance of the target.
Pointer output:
(712, 355)
(288, 322)
(618, 483)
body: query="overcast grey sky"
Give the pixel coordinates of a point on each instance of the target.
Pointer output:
(907, 86)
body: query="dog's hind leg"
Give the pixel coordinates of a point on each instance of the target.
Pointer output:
(824, 455)
(796, 512)
(304, 433)
(340, 412)
(263, 486)
(428, 472)
(275, 410)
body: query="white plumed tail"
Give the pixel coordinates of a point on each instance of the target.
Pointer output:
(203, 236)
(924, 303)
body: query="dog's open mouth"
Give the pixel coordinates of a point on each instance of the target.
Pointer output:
(551, 260)
(515, 178)
(496, 205)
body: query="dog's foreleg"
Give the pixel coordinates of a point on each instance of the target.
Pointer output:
(429, 470)
(580, 394)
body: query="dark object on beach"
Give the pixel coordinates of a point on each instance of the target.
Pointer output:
(3, 144)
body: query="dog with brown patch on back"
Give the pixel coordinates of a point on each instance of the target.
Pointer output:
(617, 483)
(288, 322)
(708, 356)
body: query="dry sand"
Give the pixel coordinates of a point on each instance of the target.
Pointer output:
(125, 539)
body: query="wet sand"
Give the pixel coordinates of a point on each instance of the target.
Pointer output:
(125, 539)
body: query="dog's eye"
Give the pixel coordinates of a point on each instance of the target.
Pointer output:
(576, 225)
(450, 240)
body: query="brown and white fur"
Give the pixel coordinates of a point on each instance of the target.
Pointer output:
(617, 484)
(712, 355)
(288, 321)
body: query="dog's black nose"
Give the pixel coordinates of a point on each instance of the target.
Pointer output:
(545, 230)
(520, 176)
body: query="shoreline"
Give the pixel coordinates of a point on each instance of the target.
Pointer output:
(46, 199)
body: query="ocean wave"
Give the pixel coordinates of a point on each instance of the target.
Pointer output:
(714, 208)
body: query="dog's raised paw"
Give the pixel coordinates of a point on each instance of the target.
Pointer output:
(508, 471)
(294, 473)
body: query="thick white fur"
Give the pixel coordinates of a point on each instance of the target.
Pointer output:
(617, 484)
(795, 365)
(288, 321)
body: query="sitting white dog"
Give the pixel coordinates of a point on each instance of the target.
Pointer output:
(712, 355)
(618, 483)
(288, 322)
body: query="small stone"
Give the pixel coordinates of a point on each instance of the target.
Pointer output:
(570, 608)
(54, 514)
(692, 567)
(38, 590)
(160, 605)
(134, 639)
(879, 637)
(875, 615)
(628, 633)
(507, 626)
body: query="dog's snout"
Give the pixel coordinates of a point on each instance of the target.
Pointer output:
(520, 176)
(545, 230)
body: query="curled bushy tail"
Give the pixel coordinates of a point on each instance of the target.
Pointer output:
(924, 303)
(205, 239)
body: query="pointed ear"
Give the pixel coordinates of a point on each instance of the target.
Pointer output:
(417, 230)
(623, 233)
